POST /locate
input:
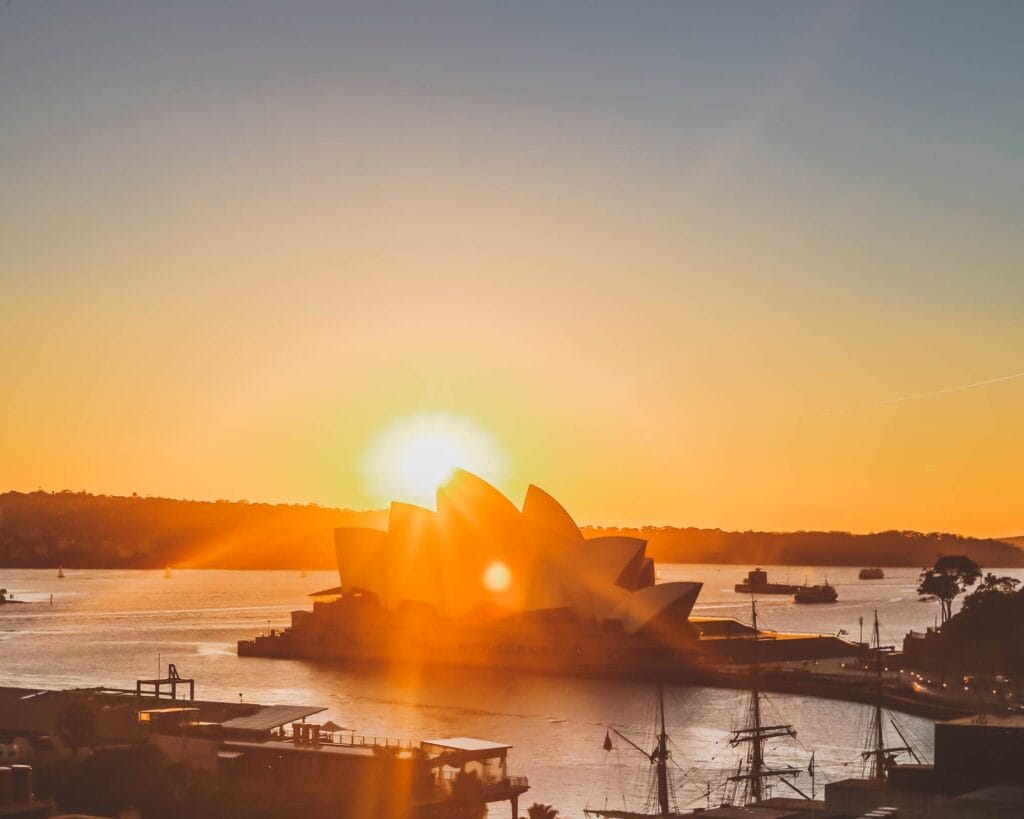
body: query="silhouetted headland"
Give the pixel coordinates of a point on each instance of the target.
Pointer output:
(44, 529)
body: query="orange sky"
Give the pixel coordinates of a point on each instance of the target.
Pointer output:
(680, 285)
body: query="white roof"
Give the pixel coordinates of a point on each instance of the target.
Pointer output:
(467, 744)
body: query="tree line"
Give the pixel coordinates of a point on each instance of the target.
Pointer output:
(669, 544)
(81, 530)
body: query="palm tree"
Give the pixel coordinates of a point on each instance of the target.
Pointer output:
(539, 811)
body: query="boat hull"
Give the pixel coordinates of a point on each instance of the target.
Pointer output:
(768, 588)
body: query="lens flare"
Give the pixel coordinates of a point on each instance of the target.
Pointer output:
(413, 456)
(497, 577)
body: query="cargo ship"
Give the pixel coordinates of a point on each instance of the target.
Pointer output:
(756, 582)
(481, 583)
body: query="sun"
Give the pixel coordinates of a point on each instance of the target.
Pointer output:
(411, 457)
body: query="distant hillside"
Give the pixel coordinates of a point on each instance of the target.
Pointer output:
(895, 548)
(1017, 540)
(43, 529)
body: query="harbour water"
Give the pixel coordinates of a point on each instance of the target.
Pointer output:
(112, 627)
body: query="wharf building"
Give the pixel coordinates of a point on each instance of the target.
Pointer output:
(978, 774)
(276, 760)
(481, 582)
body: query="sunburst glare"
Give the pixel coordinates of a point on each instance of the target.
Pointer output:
(410, 458)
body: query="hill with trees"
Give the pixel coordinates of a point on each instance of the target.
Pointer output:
(668, 544)
(76, 529)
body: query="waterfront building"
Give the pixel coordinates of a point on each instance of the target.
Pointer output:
(479, 555)
(270, 756)
(482, 583)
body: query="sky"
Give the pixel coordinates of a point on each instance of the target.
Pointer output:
(737, 265)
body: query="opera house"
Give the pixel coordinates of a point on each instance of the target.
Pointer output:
(479, 556)
(482, 583)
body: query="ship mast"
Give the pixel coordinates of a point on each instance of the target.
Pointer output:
(658, 757)
(661, 755)
(757, 734)
(879, 754)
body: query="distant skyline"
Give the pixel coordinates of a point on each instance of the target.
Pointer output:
(711, 264)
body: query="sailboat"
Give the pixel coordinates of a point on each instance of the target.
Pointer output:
(749, 784)
(167, 573)
(659, 758)
(882, 758)
(60, 572)
(747, 787)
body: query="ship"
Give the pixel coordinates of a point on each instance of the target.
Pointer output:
(824, 593)
(872, 573)
(746, 788)
(658, 757)
(756, 582)
(482, 583)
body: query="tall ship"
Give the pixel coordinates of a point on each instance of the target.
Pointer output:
(661, 802)
(748, 787)
(480, 582)
(756, 582)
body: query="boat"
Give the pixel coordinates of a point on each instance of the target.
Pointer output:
(60, 573)
(824, 593)
(744, 789)
(750, 783)
(167, 573)
(873, 573)
(659, 759)
(881, 757)
(756, 582)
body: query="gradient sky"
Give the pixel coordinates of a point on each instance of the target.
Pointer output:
(682, 260)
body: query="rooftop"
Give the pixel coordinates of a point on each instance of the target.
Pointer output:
(989, 721)
(270, 717)
(467, 744)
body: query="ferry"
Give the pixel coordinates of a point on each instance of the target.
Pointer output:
(872, 573)
(816, 594)
(756, 582)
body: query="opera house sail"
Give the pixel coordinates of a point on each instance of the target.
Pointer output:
(480, 582)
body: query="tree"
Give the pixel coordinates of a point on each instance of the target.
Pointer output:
(1000, 585)
(76, 725)
(467, 797)
(950, 577)
(539, 811)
